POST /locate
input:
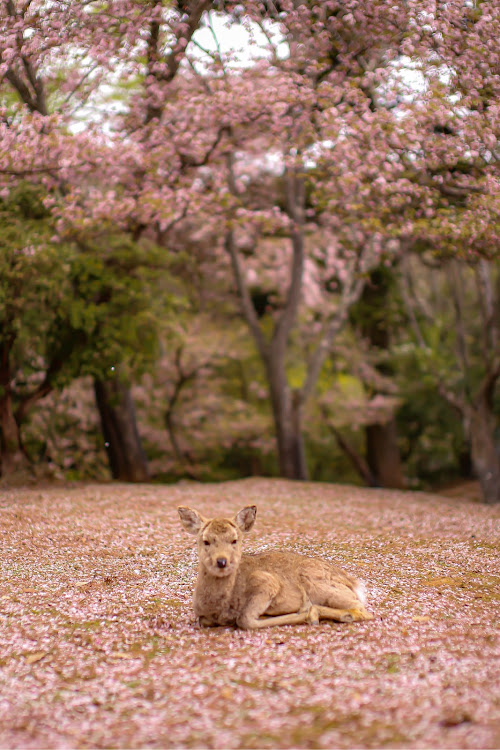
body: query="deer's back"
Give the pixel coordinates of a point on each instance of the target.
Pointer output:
(295, 570)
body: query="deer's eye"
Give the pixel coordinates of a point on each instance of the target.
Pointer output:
(235, 541)
(206, 543)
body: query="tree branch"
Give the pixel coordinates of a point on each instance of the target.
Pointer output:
(357, 460)
(189, 161)
(456, 288)
(22, 89)
(37, 86)
(295, 199)
(80, 83)
(244, 297)
(487, 387)
(490, 307)
(408, 301)
(182, 380)
(33, 170)
(174, 58)
(456, 401)
(350, 294)
(32, 398)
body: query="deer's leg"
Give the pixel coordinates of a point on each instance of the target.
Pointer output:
(294, 618)
(306, 602)
(205, 622)
(343, 600)
(354, 614)
(336, 601)
(262, 590)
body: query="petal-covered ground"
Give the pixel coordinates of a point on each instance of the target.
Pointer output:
(98, 647)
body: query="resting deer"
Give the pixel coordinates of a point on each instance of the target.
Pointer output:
(266, 588)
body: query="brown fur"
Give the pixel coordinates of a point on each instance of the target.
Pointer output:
(267, 588)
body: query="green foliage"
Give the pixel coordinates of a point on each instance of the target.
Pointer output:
(112, 313)
(434, 446)
(377, 314)
(74, 307)
(431, 437)
(32, 278)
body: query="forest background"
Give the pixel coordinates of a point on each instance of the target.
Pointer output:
(270, 257)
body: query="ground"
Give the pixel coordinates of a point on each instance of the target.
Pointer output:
(98, 647)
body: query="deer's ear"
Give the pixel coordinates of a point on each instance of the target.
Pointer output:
(190, 519)
(245, 519)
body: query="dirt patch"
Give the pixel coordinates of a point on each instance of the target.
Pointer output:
(98, 647)
(466, 490)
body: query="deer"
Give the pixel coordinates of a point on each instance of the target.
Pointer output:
(264, 589)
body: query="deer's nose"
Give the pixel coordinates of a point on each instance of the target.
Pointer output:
(221, 562)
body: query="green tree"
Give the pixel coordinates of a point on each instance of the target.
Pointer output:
(67, 309)
(453, 343)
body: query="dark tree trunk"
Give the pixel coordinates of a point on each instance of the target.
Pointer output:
(13, 459)
(126, 457)
(287, 415)
(12, 456)
(291, 450)
(382, 451)
(485, 458)
(382, 454)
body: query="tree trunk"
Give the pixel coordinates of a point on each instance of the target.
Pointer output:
(382, 454)
(484, 454)
(287, 415)
(126, 457)
(13, 459)
(291, 449)
(382, 451)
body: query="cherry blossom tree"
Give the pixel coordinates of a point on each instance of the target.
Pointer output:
(63, 307)
(362, 131)
(458, 167)
(312, 112)
(360, 146)
(54, 64)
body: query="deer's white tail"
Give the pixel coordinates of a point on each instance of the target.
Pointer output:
(360, 590)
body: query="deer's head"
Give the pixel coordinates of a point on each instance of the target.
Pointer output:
(219, 539)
